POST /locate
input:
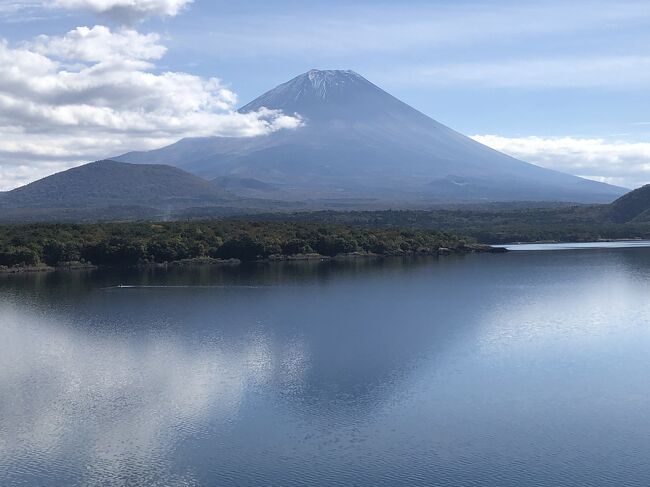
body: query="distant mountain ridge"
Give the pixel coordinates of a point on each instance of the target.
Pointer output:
(111, 183)
(115, 191)
(360, 143)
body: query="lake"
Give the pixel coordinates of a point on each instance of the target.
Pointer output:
(516, 369)
(614, 244)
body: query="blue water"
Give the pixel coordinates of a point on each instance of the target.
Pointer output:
(517, 369)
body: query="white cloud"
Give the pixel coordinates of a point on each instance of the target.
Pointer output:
(94, 92)
(126, 10)
(563, 72)
(621, 163)
(99, 44)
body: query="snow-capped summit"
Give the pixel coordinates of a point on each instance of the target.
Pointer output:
(332, 76)
(318, 93)
(325, 81)
(324, 78)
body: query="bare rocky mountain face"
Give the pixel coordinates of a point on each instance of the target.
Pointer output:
(361, 145)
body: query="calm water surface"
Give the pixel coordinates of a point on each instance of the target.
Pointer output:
(518, 369)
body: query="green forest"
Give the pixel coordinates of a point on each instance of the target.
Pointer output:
(133, 244)
(490, 224)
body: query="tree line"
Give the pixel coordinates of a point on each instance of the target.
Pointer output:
(490, 223)
(131, 244)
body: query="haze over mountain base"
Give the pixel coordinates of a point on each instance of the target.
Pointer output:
(359, 142)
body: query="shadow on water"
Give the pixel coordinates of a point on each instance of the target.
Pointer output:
(247, 274)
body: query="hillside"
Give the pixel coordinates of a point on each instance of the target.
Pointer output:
(361, 146)
(109, 183)
(632, 206)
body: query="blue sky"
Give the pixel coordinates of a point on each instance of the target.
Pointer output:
(560, 84)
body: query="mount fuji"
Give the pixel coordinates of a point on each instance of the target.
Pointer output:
(359, 144)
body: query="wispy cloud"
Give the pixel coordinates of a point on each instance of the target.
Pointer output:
(121, 10)
(390, 28)
(20, 11)
(622, 163)
(561, 72)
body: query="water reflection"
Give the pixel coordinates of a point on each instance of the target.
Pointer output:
(123, 374)
(122, 401)
(362, 372)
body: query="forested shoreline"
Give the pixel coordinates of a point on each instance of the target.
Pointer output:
(303, 235)
(33, 246)
(490, 224)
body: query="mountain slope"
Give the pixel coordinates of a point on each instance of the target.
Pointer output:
(109, 183)
(633, 206)
(359, 142)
